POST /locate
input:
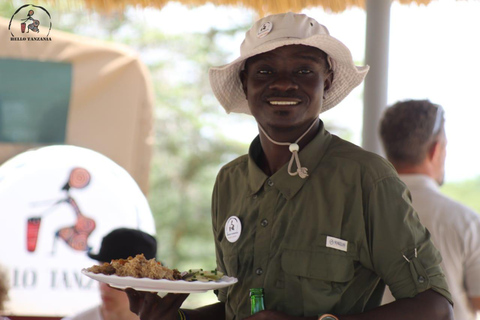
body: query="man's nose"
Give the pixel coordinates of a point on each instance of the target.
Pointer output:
(283, 83)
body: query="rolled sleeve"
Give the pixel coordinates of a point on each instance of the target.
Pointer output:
(401, 250)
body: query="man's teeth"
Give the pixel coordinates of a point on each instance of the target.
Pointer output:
(283, 103)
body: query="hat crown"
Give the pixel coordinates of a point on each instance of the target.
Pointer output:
(279, 27)
(125, 242)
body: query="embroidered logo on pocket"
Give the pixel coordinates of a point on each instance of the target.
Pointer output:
(336, 243)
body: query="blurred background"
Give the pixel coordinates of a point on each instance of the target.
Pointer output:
(433, 54)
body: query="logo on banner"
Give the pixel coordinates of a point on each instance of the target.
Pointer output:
(56, 205)
(75, 235)
(30, 23)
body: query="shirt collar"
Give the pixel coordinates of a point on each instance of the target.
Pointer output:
(310, 157)
(417, 181)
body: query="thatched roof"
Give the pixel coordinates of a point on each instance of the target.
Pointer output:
(261, 6)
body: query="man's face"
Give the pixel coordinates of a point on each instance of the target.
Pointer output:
(284, 87)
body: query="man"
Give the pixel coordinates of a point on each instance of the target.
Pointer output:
(318, 222)
(118, 244)
(414, 139)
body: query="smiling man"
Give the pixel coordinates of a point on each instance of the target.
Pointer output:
(316, 221)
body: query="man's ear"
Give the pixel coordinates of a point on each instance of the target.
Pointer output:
(243, 79)
(328, 81)
(434, 151)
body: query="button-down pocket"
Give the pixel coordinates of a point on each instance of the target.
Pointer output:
(318, 265)
(313, 276)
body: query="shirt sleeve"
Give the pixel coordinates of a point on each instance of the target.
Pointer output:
(472, 257)
(401, 251)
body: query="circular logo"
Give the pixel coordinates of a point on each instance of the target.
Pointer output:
(30, 21)
(264, 29)
(233, 229)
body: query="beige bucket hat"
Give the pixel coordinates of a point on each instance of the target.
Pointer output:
(280, 30)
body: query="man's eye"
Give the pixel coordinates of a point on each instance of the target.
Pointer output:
(264, 72)
(304, 71)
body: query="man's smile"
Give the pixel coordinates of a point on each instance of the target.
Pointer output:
(283, 101)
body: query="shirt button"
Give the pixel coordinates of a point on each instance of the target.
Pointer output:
(259, 271)
(421, 279)
(270, 183)
(264, 223)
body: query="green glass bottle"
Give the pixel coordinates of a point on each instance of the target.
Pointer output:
(256, 300)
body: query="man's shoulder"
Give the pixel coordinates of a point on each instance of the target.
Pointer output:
(432, 204)
(462, 213)
(347, 154)
(239, 163)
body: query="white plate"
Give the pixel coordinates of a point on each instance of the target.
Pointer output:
(162, 285)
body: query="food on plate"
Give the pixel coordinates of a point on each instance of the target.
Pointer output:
(138, 267)
(201, 275)
(105, 268)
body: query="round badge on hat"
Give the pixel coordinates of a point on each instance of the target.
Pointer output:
(264, 29)
(233, 229)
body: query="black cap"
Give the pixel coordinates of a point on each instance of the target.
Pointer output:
(123, 243)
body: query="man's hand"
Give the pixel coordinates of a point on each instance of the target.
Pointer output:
(475, 302)
(149, 306)
(426, 305)
(275, 315)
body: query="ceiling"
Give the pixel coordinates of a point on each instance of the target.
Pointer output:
(261, 6)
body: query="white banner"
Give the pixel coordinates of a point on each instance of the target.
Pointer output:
(56, 203)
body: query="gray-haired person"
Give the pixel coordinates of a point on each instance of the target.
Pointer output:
(414, 139)
(319, 223)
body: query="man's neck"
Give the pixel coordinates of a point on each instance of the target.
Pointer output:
(423, 168)
(275, 156)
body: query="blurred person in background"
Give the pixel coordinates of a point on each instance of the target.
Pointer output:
(118, 244)
(414, 139)
(4, 287)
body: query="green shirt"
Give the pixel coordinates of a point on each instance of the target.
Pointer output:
(321, 244)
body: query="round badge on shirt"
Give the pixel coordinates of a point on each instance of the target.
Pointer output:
(233, 229)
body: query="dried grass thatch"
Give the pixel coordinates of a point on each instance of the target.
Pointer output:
(261, 6)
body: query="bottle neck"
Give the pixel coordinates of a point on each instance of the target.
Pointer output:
(256, 300)
(256, 292)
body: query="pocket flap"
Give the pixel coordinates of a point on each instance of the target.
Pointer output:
(318, 265)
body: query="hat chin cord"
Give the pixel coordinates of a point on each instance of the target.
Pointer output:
(294, 149)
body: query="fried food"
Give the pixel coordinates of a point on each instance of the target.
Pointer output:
(105, 268)
(138, 267)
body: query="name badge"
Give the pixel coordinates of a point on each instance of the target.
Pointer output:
(233, 229)
(336, 243)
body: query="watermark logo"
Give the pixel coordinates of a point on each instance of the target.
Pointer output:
(30, 23)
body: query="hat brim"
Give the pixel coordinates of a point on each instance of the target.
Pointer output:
(227, 87)
(94, 256)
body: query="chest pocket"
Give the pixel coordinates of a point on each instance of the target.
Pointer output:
(315, 279)
(318, 265)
